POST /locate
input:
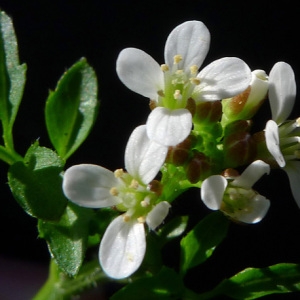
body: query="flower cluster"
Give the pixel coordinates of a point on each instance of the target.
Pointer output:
(198, 134)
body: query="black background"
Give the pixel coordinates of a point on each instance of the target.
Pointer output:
(53, 35)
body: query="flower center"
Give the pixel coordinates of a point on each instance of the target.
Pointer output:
(137, 198)
(179, 84)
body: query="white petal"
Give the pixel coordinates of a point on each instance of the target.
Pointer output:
(122, 248)
(89, 185)
(156, 216)
(143, 157)
(292, 169)
(223, 78)
(273, 142)
(169, 127)
(282, 91)
(251, 174)
(191, 40)
(212, 191)
(140, 72)
(257, 210)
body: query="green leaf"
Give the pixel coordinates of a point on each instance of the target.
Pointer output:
(201, 241)
(166, 284)
(36, 183)
(12, 77)
(72, 108)
(67, 239)
(253, 283)
(173, 228)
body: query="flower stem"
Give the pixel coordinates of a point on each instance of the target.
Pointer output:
(61, 287)
(9, 156)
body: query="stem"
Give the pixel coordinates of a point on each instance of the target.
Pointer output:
(9, 156)
(61, 287)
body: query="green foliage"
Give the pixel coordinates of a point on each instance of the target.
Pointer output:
(72, 108)
(36, 183)
(164, 285)
(67, 238)
(253, 283)
(201, 241)
(12, 78)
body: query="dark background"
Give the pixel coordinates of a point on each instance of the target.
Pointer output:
(53, 35)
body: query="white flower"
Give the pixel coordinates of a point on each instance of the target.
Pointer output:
(172, 84)
(282, 135)
(123, 245)
(236, 198)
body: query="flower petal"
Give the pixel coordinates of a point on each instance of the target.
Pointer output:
(282, 91)
(156, 216)
(292, 169)
(191, 40)
(140, 72)
(255, 212)
(273, 142)
(122, 248)
(212, 191)
(143, 157)
(89, 185)
(251, 174)
(223, 78)
(169, 127)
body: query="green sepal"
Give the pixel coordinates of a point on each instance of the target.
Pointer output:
(253, 283)
(36, 183)
(166, 284)
(72, 108)
(67, 239)
(199, 244)
(12, 77)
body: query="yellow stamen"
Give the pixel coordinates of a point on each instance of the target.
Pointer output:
(119, 173)
(134, 184)
(141, 219)
(114, 191)
(195, 81)
(126, 218)
(164, 67)
(177, 59)
(194, 69)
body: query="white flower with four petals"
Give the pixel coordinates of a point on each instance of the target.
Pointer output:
(123, 245)
(171, 85)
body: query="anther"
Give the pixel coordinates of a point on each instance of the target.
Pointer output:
(141, 219)
(134, 184)
(161, 93)
(114, 191)
(145, 202)
(177, 59)
(195, 81)
(194, 69)
(164, 67)
(119, 173)
(126, 218)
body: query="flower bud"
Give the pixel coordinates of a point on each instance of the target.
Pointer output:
(198, 167)
(239, 149)
(246, 104)
(208, 112)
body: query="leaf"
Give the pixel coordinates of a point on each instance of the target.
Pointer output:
(37, 185)
(253, 283)
(166, 284)
(200, 242)
(12, 74)
(72, 108)
(67, 239)
(173, 228)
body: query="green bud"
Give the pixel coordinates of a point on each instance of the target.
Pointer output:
(245, 105)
